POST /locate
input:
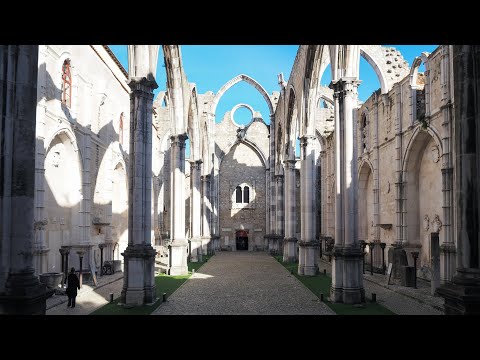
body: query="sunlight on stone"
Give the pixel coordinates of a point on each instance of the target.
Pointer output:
(200, 276)
(92, 297)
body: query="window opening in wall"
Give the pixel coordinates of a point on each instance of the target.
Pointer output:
(246, 194)
(66, 83)
(120, 129)
(238, 194)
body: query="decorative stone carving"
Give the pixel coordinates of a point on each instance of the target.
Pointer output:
(426, 222)
(56, 153)
(436, 224)
(372, 230)
(435, 153)
(40, 225)
(241, 134)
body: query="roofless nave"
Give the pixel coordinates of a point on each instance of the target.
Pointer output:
(399, 169)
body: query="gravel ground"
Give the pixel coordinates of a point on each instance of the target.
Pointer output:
(243, 283)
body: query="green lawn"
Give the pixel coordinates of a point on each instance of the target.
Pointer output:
(320, 284)
(164, 284)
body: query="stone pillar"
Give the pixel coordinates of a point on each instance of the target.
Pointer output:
(195, 211)
(462, 296)
(85, 206)
(307, 262)
(280, 214)
(101, 247)
(178, 246)
(271, 234)
(40, 249)
(206, 235)
(376, 190)
(322, 182)
(20, 290)
(447, 247)
(290, 241)
(108, 208)
(347, 278)
(139, 257)
(398, 170)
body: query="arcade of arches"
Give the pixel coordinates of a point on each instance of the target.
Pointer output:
(95, 169)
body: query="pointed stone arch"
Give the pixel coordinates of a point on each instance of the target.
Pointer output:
(251, 145)
(248, 80)
(291, 124)
(193, 127)
(365, 193)
(411, 179)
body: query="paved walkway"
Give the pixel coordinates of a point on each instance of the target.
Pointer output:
(399, 299)
(250, 283)
(242, 283)
(89, 298)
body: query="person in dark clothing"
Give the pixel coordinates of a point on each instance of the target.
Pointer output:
(72, 285)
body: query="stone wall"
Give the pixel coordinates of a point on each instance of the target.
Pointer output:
(81, 157)
(242, 164)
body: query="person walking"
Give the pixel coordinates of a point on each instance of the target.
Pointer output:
(72, 285)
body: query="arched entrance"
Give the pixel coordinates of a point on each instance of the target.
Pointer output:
(241, 237)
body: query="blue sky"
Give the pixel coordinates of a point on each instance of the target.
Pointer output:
(211, 66)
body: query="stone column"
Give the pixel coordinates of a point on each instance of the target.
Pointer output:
(108, 207)
(376, 191)
(462, 296)
(178, 246)
(280, 213)
(447, 247)
(20, 290)
(290, 241)
(40, 249)
(85, 206)
(195, 211)
(398, 172)
(65, 252)
(206, 235)
(323, 195)
(307, 262)
(267, 238)
(271, 234)
(139, 257)
(347, 278)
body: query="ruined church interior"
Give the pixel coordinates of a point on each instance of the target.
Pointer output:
(378, 196)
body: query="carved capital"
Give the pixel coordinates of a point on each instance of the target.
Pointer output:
(178, 140)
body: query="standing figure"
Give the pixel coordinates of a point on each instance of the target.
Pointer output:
(72, 285)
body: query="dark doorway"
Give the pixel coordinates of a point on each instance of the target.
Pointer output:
(242, 240)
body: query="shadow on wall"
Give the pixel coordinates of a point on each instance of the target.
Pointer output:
(64, 181)
(233, 216)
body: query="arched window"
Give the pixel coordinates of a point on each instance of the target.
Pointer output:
(66, 83)
(364, 133)
(246, 194)
(120, 130)
(238, 194)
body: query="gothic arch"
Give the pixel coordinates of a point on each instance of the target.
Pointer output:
(415, 65)
(68, 133)
(374, 63)
(177, 90)
(248, 80)
(417, 138)
(291, 125)
(193, 125)
(412, 167)
(251, 145)
(325, 98)
(375, 55)
(366, 200)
